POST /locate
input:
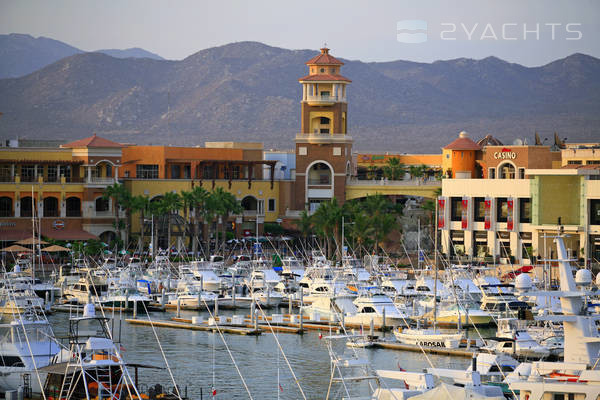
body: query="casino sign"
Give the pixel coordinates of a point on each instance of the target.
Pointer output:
(505, 154)
(58, 224)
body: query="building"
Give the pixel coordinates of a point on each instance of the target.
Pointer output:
(507, 203)
(62, 185)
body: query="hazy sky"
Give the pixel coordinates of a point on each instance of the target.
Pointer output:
(366, 30)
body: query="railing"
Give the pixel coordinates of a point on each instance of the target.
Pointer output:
(386, 182)
(318, 182)
(102, 181)
(324, 99)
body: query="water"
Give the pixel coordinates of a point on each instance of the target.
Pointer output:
(200, 360)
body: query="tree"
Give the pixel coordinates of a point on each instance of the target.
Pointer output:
(170, 204)
(328, 219)
(394, 170)
(382, 214)
(141, 204)
(305, 225)
(372, 172)
(117, 193)
(199, 198)
(226, 204)
(187, 199)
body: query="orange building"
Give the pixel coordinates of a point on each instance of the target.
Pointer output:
(459, 157)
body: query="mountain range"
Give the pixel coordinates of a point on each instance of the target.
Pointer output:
(248, 91)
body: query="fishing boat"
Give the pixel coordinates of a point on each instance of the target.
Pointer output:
(26, 345)
(429, 337)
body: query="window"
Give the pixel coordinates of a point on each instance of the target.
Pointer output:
(73, 207)
(52, 173)
(146, 171)
(521, 173)
(260, 207)
(187, 172)
(271, 205)
(27, 173)
(492, 173)
(65, 170)
(50, 207)
(501, 209)
(592, 162)
(325, 94)
(175, 171)
(594, 212)
(102, 204)
(108, 171)
(479, 209)
(456, 209)
(208, 172)
(507, 171)
(574, 162)
(5, 173)
(525, 210)
(322, 70)
(27, 205)
(6, 207)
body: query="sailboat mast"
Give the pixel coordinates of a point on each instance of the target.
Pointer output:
(435, 267)
(33, 233)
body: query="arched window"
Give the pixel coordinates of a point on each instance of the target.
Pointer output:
(26, 206)
(319, 174)
(249, 203)
(50, 207)
(73, 207)
(507, 171)
(6, 209)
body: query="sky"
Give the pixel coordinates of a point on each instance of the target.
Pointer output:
(531, 33)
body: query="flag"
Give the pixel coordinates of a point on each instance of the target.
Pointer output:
(320, 335)
(121, 348)
(403, 370)
(214, 392)
(280, 388)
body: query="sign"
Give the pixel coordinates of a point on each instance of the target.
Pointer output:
(488, 214)
(247, 232)
(464, 217)
(58, 224)
(509, 215)
(505, 154)
(441, 221)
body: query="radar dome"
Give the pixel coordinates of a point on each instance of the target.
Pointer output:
(523, 282)
(583, 277)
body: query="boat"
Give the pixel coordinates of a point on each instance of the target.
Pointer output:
(512, 338)
(27, 344)
(429, 337)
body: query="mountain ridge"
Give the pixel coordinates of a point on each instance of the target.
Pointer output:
(249, 91)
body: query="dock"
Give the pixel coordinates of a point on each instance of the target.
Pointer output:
(237, 330)
(458, 352)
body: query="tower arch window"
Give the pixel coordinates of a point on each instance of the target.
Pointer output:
(320, 174)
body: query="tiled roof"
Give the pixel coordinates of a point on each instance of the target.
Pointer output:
(324, 59)
(463, 143)
(92, 141)
(324, 77)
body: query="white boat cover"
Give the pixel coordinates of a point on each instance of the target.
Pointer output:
(450, 392)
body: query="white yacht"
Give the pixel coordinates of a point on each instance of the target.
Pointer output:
(26, 345)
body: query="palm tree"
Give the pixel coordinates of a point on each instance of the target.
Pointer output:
(372, 171)
(187, 199)
(141, 204)
(328, 218)
(116, 192)
(227, 205)
(394, 170)
(305, 225)
(171, 203)
(199, 197)
(381, 212)
(210, 209)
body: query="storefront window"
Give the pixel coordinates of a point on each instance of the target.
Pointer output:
(594, 212)
(479, 209)
(456, 209)
(501, 209)
(525, 211)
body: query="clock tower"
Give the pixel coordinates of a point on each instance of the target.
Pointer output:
(323, 147)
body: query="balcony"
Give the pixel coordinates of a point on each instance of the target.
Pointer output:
(323, 100)
(100, 181)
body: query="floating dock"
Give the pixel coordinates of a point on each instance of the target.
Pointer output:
(196, 327)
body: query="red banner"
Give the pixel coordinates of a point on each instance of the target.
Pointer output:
(441, 209)
(464, 217)
(488, 214)
(509, 215)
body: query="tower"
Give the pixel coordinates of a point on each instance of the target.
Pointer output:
(323, 148)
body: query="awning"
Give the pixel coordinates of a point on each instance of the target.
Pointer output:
(11, 235)
(68, 234)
